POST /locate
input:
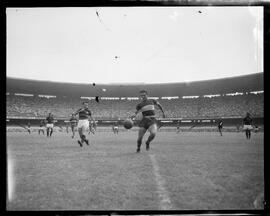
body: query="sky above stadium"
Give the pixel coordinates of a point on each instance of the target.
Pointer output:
(134, 44)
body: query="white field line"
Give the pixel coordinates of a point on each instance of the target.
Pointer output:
(10, 182)
(165, 202)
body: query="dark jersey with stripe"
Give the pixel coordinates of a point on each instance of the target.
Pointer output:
(220, 124)
(73, 121)
(84, 113)
(247, 120)
(147, 107)
(41, 123)
(49, 119)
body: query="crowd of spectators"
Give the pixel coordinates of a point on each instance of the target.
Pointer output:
(226, 106)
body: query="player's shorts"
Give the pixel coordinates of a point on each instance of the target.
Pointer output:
(146, 122)
(48, 125)
(115, 128)
(40, 128)
(83, 123)
(73, 126)
(247, 127)
(220, 127)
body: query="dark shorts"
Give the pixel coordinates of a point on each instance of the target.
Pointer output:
(219, 127)
(146, 122)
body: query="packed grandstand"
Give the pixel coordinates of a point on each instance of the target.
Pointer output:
(232, 98)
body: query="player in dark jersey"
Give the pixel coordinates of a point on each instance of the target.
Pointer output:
(73, 123)
(220, 126)
(148, 122)
(247, 125)
(49, 124)
(83, 124)
(28, 127)
(178, 127)
(41, 127)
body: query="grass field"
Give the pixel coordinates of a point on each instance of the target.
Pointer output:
(185, 171)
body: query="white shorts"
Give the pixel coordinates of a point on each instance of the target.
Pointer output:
(247, 127)
(49, 125)
(83, 123)
(40, 128)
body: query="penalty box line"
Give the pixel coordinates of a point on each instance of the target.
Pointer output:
(165, 202)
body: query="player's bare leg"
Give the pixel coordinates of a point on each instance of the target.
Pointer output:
(83, 137)
(220, 131)
(153, 130)
(141, 133)
(51, 132)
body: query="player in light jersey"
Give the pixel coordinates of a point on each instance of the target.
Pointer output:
(83, 124)
(115, 128)
(41, 126)
(247, 125)
(49, 124)
(73, 123)
(148, 122)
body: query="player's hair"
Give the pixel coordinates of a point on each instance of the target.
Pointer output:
(144, 91)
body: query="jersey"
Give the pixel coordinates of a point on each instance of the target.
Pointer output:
(147, 107)
(49, 120)
(220, 124)
(73, 121)
(247, 120)
(84, 113)
(41, 123)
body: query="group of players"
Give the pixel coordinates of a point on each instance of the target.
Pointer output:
(148, 122)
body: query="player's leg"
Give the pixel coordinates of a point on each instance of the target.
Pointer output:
(85, 127)
(141, 133)
(48, 131)
(153, 130)
(51, 131)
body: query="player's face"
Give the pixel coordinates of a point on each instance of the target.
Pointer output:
(85, 105)
(143, 96)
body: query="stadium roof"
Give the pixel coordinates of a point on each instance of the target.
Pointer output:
(245, 83)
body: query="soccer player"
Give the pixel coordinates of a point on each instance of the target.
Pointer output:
(238, 128)
(247, 125)
(49, 124)
(148, 122)
(115, 128)
(73, 123)
(92, 127)
(178, 127)
(83, 124)
(41, 127)
(28, 127)
(220, 125)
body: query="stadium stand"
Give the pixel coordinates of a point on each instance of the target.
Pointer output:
(226, 106)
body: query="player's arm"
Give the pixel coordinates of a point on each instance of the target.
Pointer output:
(76, 113)
(160, 107)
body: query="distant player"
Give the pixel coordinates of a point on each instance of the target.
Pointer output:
(49, 124)
(67, 126)
(148, 122)
(83, 124)
(41, 127)
(92, 127)
(220, 126)
(73, 123)
(256, 129)
(28, 127)
(115, 128)
(178, 127)
(238, 128)
(247, 125)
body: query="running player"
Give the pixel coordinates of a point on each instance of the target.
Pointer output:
(83, 124)
(220, 126)
(148, 122)
(41, 127)
(73, 123)
(247, 125)
(49, 124)
(115, 128)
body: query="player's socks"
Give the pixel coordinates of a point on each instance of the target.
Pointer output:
(139, 143)
(80, 143)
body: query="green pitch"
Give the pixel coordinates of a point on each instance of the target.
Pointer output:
(187, 171)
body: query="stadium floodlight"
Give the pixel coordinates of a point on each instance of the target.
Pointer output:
(185, 97)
